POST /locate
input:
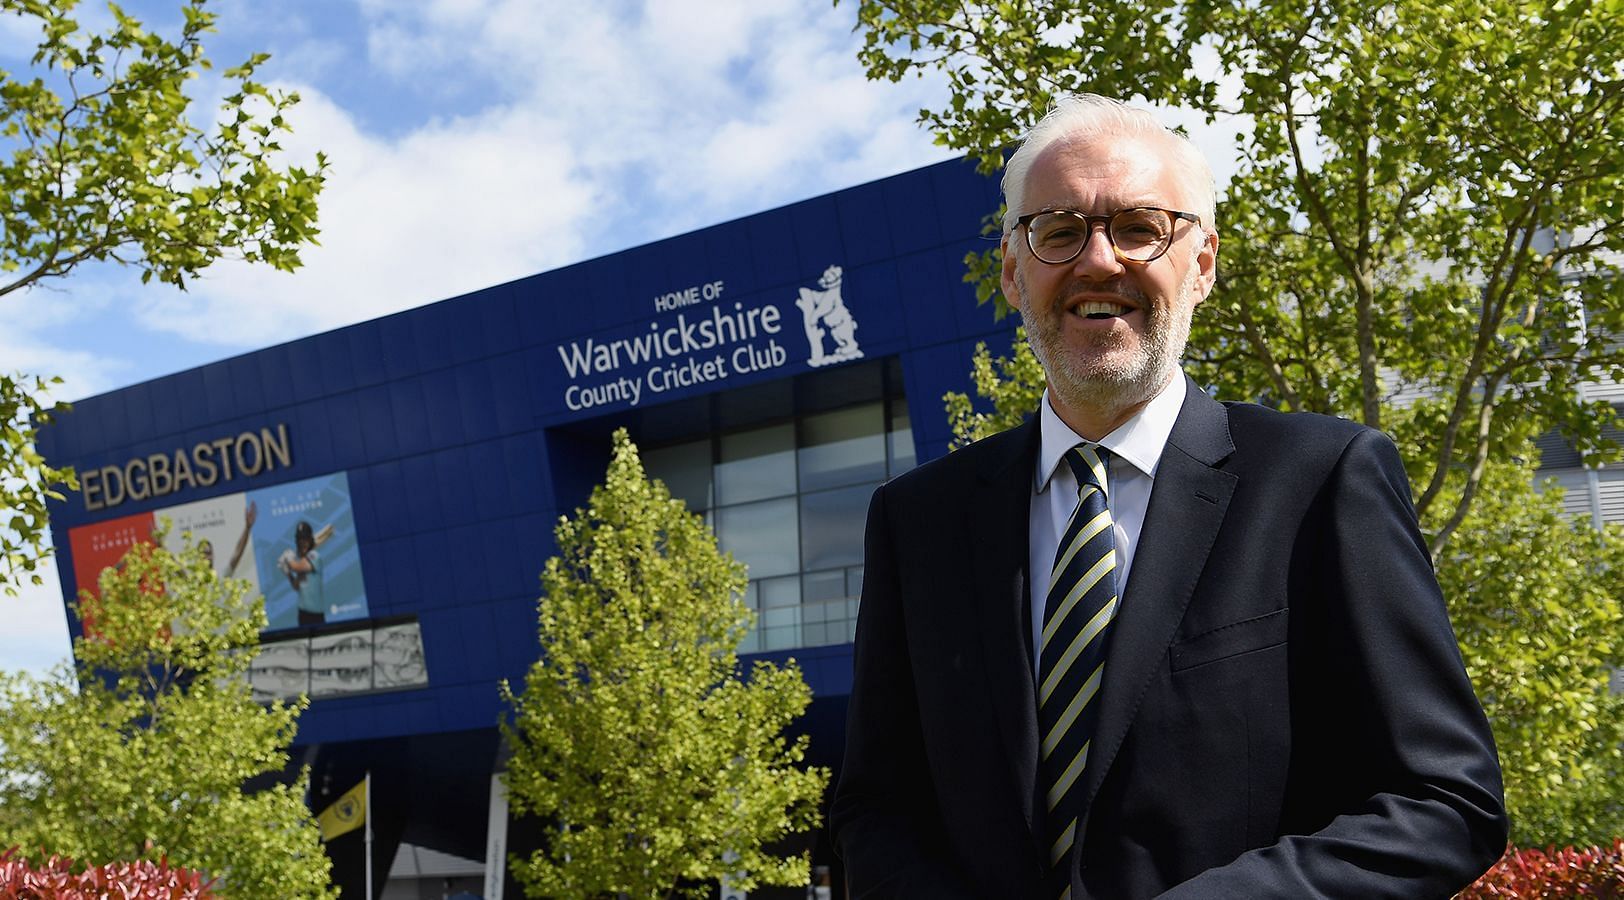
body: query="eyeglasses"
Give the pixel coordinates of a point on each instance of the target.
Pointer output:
(1139, 234)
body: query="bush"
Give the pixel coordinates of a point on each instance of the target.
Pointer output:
(1538, 874)
(140, 880)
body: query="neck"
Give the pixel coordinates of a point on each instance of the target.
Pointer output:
(1092, 419)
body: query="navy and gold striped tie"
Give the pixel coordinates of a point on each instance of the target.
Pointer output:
(1077, 614)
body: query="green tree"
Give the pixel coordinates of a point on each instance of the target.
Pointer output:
(101, 161)
(147, 758)
(655, 763)
(1423, 234)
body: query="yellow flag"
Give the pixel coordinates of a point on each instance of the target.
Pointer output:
(347, 813)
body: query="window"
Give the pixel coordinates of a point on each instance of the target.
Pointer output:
(790, 500)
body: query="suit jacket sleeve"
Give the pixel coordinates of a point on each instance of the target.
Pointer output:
(1419, 808)
(884, 814)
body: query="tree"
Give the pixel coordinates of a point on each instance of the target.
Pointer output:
(100, 160)
(655, 763)
(148, 757)
(1422, 234)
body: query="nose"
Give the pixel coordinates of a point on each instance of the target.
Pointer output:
(1097, 260)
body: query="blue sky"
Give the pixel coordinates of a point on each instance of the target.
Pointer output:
(473, 142)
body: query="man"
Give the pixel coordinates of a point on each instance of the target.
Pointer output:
(1148, 644)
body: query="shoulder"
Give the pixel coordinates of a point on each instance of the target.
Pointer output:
(982, 460)
(1259, 429)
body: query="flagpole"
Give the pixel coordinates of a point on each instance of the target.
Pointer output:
(368, 793)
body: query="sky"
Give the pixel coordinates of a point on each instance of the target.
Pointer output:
(472, 142)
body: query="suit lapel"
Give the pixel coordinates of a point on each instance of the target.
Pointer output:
(997, 517)
(1187, 506)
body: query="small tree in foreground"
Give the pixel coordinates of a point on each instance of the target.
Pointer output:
(656, 765)
(147, 758)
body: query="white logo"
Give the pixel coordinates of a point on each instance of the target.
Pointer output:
(826, 316)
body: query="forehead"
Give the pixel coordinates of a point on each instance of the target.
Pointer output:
(1104, 174)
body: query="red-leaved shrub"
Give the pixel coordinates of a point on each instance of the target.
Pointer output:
(1532, 874)
(55, 879)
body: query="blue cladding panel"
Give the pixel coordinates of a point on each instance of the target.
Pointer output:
(275, 376)
(304, 359)
(454, 483)
(366, 356)
(464, 556)
(410, 417)
(337, 361)
(343, 413)
(311, 433)
(389, 496)
(865, 226)
(437, 569)
(399, 351)
(248, 390)
(377, 425)
(476, 403)
(422, 498)
(498, 322)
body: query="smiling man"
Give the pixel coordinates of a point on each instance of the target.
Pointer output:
(1148, 644)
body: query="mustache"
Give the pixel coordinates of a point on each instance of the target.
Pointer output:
(1119, 290)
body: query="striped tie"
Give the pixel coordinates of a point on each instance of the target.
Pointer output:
(1077, 614)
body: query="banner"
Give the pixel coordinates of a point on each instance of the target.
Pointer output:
(346, 814)
(294, 542)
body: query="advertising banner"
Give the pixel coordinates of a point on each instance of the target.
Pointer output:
(294, 542)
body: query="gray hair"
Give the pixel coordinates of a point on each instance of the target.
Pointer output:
(1081, 118)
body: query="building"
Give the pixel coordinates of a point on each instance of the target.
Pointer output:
(773, 370)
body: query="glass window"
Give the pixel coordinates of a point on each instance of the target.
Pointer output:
(843, 447)
(900, 437)
(686, 471)
(397, 657)
(832, 526)
(756, 464)
(780, 592)
(341, 663)
(761, 535)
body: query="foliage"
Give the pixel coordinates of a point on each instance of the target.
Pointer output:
(148, 757)
(1535, 602)
(1012, 384)
(636, 738)
(56, 879)
(1533, 874)
(1423, 233)
(26, 480)
(101, 161)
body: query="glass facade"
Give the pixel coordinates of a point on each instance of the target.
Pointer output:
(789, 499)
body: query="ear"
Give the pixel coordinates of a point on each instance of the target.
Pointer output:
(1006, 275)
(1206, 261)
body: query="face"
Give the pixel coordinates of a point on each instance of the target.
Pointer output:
(1108, 333)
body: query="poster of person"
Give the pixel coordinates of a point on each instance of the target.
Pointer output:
(305, 548)
(219, 527)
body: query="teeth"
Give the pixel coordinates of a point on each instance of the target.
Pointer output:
(1092, 308)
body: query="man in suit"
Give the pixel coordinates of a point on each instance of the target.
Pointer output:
(1148, 644)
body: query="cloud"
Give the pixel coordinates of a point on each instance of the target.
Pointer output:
(607, 126)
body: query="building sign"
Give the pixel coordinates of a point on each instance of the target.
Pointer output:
(693, 348)
(205, 463)
(293, 542)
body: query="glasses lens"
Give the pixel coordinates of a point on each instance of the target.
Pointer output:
(1141, 234)
(1057, 236)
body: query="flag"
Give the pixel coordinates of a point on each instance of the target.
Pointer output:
(347, 813)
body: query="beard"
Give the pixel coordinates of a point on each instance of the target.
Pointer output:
(1101, 379)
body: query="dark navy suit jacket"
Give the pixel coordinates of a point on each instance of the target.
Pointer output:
(1284, 710)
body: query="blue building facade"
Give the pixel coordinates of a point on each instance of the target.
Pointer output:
(391, 487)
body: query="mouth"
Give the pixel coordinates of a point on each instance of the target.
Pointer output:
(1098, 309)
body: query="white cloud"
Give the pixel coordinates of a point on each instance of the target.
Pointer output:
(611, 125)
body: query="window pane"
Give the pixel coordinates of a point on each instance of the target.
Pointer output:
(341, 663)
(832, 526)
(901, 439)
(780, 592)
(761, 535)
(756, 464)
(398, 656)
(685, 469)
(821, 587)
(846, 446)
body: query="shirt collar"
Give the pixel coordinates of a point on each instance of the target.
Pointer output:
(1138, 441)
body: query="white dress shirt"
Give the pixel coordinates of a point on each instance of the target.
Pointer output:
(1136, 450)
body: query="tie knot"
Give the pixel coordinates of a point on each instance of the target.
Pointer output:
(1091, 465)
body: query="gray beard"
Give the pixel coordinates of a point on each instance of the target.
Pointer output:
(1112, 389)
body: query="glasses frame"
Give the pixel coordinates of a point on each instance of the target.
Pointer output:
(1090, 221)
